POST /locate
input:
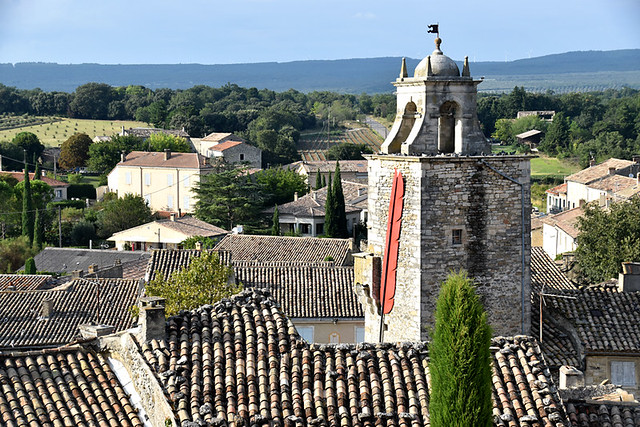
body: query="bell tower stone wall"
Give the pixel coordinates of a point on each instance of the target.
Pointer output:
(459, 213)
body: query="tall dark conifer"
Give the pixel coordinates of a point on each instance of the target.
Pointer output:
(318, 180)
(275, 224)
(340, 213)
(460, 358)
(27, 207)
(329, 212)
(38, 172)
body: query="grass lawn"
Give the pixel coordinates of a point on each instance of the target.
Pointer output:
(550, 166)
(55, 133)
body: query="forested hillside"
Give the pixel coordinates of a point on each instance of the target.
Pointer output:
(572, 71)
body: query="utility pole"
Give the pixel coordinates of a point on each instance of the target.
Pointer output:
(59, 226)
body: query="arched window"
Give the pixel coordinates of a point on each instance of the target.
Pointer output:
(447, 127)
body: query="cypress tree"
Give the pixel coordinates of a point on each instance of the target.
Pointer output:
(275, 224)
(38, 172)
(329, 212)
(338, 197)
(30, 266)
(318, 180)
(38, 232)
(324, 181)
(27, 207)
(460, 359)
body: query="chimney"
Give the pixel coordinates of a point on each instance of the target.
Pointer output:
(123, 156)
(570, 377)
(199, 246)
(295, 196)
(92, 268)
(636, 158)
(629, 279)
(46, 310)
(314, 195)
(76, 274)
(360, 191)
(612, 171)
(592, 162)
(122, 131)
(167, 154)
(151, 321)
(89, 330)
(172, 217)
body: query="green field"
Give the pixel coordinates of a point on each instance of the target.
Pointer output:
(550, 166)
(54, 133)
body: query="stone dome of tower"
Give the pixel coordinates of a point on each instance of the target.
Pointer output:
(441, 65)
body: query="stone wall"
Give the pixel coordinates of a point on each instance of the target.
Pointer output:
(598, 369)
(443, 194)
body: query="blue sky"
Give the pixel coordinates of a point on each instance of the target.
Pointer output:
(241, 31)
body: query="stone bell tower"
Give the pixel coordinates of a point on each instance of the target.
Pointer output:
(463, 208)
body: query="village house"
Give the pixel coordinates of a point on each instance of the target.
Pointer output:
(164, 234)
(530, 138)
(305, 215)
(560, 232)
(229, 147)
(165, 180)
(60, 188)
(350, 170)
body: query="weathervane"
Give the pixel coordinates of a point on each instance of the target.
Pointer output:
(433, 28)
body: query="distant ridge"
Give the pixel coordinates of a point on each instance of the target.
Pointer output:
(585, 70)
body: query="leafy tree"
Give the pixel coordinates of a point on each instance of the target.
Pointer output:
(204, 281)
(91, 101)
(162, 141)
(27, 208)
(28, 141)
(607, 238)
(30, 266)
(275, 223)
(14, 252)
(335, 215)
(207, 242)
(460, 359)
(557, 138)
(105, 155)
(74, 152)
(348, 151)
(228, 197)
(121, 214)
(82, 232)
(279, 185)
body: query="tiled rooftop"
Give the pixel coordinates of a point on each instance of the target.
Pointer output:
(24, 282)
(601, 170)
(592, 414)
(312, 204)
(329, 166)
(65, 260)
(218, 137)
(546, 273)
(225, 145)
(192, 226)
(50, 181)
(241, 362)
(244, 247)
(558, 189)
(22, 323)
(567, 221)
(156, 159)
(303, 290)
(62, 387)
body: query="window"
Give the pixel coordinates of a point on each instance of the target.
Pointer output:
(241, 156)
(306, 332)
(169, 179)
(147, 178)
(359, 333)
(305, 228)
(334, 338)
(58, 194)
(127, 178)
(170, 202)
(456, 236)
(319, 229)
(623, 373)
(185, 181)
(185, 202)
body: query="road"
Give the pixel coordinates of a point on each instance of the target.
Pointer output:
(376, 126)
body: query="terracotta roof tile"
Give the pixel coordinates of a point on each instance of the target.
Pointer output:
(22, 323)
(312, 204)
(52, 182)
(595, 414)
(601, 170)
(62, 387)
(156, 159)
(567, 221)
(221, 137)
(303, 290)
(65, 260)
(225, 145)
(558, 189)
(24, 282)
(546, 273)
(292, 249)
(241, 362)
